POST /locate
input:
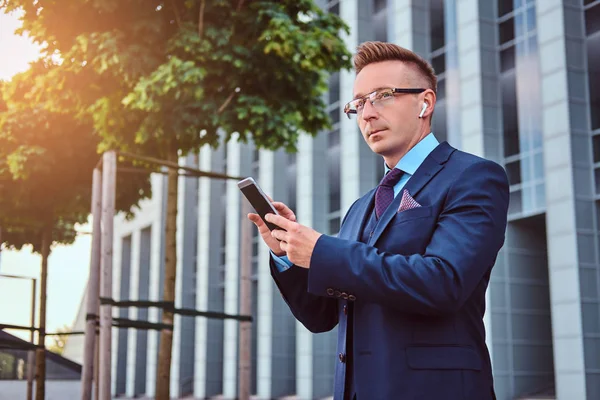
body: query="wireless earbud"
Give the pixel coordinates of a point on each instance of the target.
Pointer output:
(423, 109)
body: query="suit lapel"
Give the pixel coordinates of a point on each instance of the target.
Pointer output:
(428, 169)
(359, 217)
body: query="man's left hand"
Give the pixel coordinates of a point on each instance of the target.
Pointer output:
(298, 241)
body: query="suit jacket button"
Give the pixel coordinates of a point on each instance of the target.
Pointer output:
(352, 297)
(344, 296)
(337, 293)
(342, 357)
(330, 291)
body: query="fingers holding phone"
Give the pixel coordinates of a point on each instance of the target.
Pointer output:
(263, 205)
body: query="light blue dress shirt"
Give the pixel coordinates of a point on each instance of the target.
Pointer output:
(408, 164)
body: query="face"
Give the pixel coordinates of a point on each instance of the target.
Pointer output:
(391, 126)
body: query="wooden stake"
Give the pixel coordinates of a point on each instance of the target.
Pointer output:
(93, 290)
(109, 175)
(245, 327)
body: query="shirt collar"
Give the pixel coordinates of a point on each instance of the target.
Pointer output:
(412, 160)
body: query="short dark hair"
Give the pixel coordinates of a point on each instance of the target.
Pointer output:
(373, 52)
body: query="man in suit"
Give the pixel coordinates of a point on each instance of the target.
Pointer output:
(405, 279)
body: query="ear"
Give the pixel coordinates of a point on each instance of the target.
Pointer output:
(428, 103)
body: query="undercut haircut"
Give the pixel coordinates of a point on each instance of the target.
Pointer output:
(374, 52)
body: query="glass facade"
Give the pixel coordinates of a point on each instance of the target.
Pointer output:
(592, 30)
(505, 63)
(333, 145)
(521, 99)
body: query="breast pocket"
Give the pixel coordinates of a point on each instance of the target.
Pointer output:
(409, 232)
(414, 213)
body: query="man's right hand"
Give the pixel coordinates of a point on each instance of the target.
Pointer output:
(273, 243)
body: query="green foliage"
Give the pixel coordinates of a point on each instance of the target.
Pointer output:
(152, 73)
(46, 162)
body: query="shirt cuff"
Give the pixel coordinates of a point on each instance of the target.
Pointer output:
(282, 263)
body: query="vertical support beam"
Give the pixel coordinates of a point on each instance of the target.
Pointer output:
(245, 327)
(311, 211)
(109, 172)
(31, 353)
(568, 167)
(238, 161)
(357, 172)
(93, 288)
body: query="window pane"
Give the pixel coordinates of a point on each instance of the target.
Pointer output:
(507, 59)
(596, 141)
(593, 51)
(439, 121)
(597, 179)
(333, 139)
(436, 22)
(531, 21)
(380, 26)
(509, 115)
(513, 170)
(333, 167)
(379, 5)
(538, 166)
(515, 202)
(334, 87)
(335, 9)
(592, 20)
(334, 225)
(540, 194)
(504, 7)
(507, 31)
(335, 115)
(439, 63)
(519, 24)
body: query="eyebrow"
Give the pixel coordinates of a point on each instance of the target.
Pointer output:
(358, 96)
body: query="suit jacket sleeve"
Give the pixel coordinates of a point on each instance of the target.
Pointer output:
(316, 313)
(469, 233)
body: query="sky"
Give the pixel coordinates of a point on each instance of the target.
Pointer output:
(68, 266)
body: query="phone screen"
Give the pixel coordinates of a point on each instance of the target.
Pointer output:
(260, 204)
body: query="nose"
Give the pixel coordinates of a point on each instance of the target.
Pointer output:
(369, 112)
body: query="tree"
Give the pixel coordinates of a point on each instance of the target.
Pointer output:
(46, 162)
(163, 78)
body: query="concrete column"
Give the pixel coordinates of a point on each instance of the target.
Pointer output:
(358, 172)
(477, 84)
(159, 186)
(238, 157)
(205, 241)
(312, 201)
(133, 314)
(568, 166)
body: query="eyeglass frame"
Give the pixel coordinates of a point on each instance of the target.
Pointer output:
(366, 97)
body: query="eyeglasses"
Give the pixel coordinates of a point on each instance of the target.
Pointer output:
(378, 99)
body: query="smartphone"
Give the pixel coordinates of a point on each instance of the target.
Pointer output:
(258, 199)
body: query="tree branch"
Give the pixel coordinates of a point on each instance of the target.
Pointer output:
(240, 4)
(201, 17)
(176, 11)
(225, 103)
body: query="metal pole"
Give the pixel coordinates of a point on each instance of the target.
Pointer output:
(93, 288)
(31, 353)
(245, 327)
(109, 172)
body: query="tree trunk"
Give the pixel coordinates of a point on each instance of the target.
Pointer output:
(163, 378)
(40, 359)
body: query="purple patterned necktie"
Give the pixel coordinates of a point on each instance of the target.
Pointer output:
(385, 191)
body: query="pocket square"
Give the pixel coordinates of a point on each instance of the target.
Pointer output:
(407, 202)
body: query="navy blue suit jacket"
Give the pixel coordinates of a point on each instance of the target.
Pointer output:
(417, 287)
